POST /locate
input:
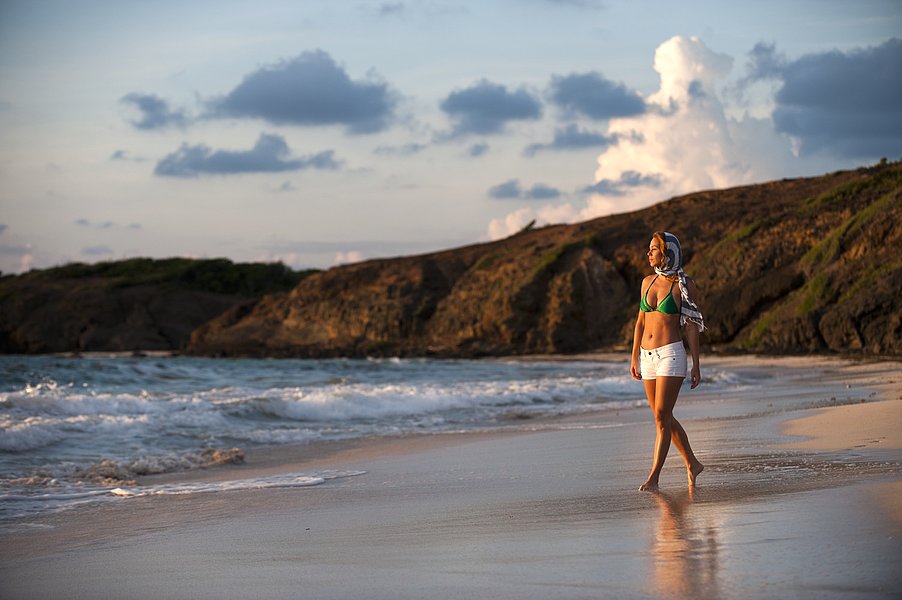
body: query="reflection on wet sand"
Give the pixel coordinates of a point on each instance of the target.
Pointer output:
(685, 549)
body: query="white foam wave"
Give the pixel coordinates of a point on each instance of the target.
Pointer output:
(318, 402)
(48, 414)
(40, 431)
(55, 400)
(722, 377)
(14, 505)
(257, 483)
(358, 401)
(29, 434)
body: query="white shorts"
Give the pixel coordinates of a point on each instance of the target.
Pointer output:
(665, 361)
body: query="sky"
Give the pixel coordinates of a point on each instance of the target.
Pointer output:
(322, 132)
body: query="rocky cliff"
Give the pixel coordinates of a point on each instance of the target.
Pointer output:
(800, 265)
(138, 304)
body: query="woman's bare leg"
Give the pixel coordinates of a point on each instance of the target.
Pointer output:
(666, 390)
(681, 441)
(677, 435)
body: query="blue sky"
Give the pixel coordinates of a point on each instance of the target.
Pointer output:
(321, 132)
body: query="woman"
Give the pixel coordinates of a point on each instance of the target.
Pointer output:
(659, 358)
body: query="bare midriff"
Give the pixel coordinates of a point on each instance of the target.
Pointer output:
(660, 329)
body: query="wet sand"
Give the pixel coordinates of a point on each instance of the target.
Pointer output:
(549, 513)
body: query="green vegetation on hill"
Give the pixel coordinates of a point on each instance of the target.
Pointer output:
(218, 275)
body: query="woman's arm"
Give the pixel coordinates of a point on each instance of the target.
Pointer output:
(637, 340)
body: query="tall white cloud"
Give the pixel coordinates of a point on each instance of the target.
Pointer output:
(684, 142)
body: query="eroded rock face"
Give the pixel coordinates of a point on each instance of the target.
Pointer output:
(131, 305)
(88, 316)
(802, 265)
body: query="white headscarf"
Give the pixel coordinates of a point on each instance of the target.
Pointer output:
(673, 268)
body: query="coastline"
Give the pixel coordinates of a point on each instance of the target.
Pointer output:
(551, 512)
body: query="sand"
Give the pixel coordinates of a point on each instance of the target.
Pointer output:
(549, 513)
(856, 426)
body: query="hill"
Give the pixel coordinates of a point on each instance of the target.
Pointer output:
(792, 266)
(136, 304)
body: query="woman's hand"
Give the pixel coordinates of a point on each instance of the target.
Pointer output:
(634, 369)
(695, 377)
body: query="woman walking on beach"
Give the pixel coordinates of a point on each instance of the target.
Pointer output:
(659, 358)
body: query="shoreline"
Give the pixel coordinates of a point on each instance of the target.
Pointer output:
(617, 352)
(864, 374)
(551, 512)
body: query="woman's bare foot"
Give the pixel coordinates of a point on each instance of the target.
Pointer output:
(694, 471)
(649, 486)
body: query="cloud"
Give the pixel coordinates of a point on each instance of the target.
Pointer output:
(371, 247)
(511, 190)
(324, 254)
(591, 95)
(684, 141)
(506, 191)
(404, 150)
(844, 104)
(572, 137)
(96, 251)
(99, 225)
(477, 150)
(124, 155)
(540, 191)
(587, 4)
(487, 107)
(104, 224)
(269, 155)
(388, 9)
(351, 256)
(13, 250)
(511, 223)
(619, 187)
(20, 257)
(310, 89)
(26, 262)
(520, 218)
(764, 62)
(155, 112)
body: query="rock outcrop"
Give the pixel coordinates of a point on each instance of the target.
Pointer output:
(799, 265)
(133, 305)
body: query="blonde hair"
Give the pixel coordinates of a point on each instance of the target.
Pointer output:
(658, 236)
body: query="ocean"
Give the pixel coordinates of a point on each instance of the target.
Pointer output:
(76, 430)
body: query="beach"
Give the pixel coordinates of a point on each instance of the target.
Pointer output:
(800, 498)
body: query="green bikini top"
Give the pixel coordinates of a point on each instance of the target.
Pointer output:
(667, 306)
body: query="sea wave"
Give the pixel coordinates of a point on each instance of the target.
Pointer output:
(98, 421)
(32, 419)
